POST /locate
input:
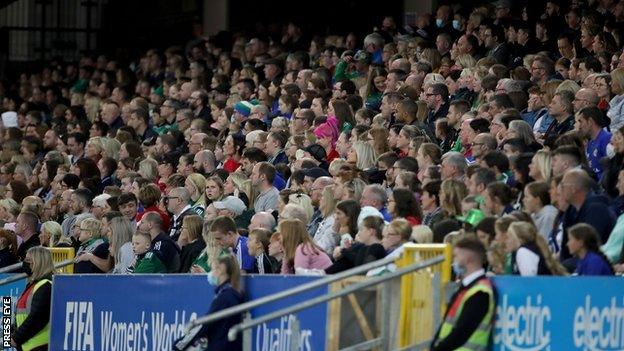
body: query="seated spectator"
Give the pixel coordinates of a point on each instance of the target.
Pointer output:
(190, 241)
(300, 252)
(162, 246)
(8, 248)
(403, 204)
(121, 255)
(367, 247)
(530, 254)
(258, 246)
(584, 243)
(536, 202)
(93, 248)
(226, 235)
(145, 261)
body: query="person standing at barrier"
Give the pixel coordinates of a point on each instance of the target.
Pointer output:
(163, 247)
(26, 228)
(469, 319)
(32, 314)
(93, 253)
(225, 274)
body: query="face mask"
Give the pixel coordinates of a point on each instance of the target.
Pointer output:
(439, 23)
(212, 279)
(456, 25)
(26, 268)
(458, 270)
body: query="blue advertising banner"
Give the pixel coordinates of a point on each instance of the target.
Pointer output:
(276, 335)
(149, 312)
(125, 312)
(565, 313)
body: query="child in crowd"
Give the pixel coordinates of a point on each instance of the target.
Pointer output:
(276, 251)
(258, 246)
(146, 261)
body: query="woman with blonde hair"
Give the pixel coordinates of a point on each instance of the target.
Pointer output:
(190, 241)
(203, 263)
(121, 253)
(195, 184)
(325, 235)
(616, 105)
(540, 168)
(428, 154)
(361, 155)
(51, 234)
(451, 194)
(9, 210)
(111, 148)
(301, 253)
(237, 184)
(148, 169)
(93, 149)
(568, 85)
(530, 253)
(465, 61)
(93, 248)
(34, 303)
(214, 189)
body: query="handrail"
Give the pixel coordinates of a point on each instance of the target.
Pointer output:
(11, 268)
(20, 276)
(286, 293)
(320, 299)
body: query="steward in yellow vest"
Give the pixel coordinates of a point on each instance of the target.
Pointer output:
(468, 321)
(31, 331)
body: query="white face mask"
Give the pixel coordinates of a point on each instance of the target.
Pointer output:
(213, 279)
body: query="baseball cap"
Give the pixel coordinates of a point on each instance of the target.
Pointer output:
(231, 203)
(315, 172)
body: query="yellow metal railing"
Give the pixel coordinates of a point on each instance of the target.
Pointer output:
(416, 313)
(60, 254)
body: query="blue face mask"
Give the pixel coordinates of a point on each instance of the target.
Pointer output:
(212, 279)
(458, 270)
(456, 25)
(439, 23)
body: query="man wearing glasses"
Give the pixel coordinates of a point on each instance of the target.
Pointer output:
(178, 204)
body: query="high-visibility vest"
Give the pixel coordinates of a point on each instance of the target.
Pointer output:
(23, 310)
(480, 337)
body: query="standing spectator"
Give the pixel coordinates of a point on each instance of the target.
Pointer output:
(325, 236)
(367, 247)
(121, 232)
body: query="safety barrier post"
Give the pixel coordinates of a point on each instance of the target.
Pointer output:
(60, 254)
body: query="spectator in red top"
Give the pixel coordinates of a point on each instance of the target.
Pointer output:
(149, 195)
(233, 150)
(403, 204)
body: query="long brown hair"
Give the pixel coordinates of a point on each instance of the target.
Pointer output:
(294, 234)
(232, 270)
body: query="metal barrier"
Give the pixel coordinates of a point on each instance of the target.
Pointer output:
(20, 276)
(417, 321)
(60, 254)
(382, 342)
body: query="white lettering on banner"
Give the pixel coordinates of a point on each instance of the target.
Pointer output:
(123, 336)
(598, 328)
(522, 328)
(278, 339)
(79, 324)
(152, 332)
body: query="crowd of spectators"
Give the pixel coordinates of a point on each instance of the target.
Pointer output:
(308, 154)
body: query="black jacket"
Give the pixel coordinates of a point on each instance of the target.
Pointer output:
(189, 253)
(357, 255)
(39, 314)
